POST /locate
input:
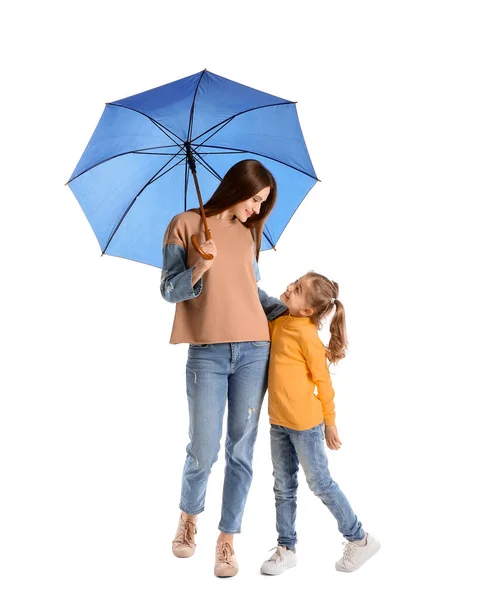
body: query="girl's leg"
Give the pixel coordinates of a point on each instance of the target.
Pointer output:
(207, 383)
(311, 449)
(285, 469)
(247, 386)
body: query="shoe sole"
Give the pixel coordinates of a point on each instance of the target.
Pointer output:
(227, 574)
(182, 555)
(280, 572)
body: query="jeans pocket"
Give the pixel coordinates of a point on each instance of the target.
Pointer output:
(260, 344)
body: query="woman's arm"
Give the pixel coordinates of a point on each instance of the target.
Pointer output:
(177, 282)
(272, 307)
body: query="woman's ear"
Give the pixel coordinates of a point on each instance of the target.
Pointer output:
(306, 312)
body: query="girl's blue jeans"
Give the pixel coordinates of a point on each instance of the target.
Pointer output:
(236, 372)
(307, 448)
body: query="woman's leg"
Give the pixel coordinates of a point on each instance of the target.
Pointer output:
(247, 387)
(285, 469)
(311, 450)
(207, 386)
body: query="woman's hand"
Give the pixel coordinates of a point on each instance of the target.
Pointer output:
(209, 248)
(202, 265)
(332, 440)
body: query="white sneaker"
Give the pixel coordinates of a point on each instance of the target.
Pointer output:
(354, 556)
(282, 559)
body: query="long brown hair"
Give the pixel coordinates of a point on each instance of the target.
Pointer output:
(322, 296)
(243, 180)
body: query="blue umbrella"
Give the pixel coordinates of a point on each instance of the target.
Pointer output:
(133, 176)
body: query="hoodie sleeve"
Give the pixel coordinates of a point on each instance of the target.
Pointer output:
(315, 354)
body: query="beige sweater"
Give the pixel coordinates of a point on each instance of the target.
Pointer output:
(228, 308)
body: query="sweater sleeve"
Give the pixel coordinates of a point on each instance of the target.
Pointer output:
(315, 354)
(176, 279)
(272, 307)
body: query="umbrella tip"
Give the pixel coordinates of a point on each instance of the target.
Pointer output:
(274, 248)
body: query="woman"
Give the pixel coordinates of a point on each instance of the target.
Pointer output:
(222, 314)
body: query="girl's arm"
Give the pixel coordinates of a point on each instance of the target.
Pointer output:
(315, 354)
(272, 307)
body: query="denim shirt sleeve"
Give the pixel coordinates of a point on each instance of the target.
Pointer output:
(176, 279)
(272, 307)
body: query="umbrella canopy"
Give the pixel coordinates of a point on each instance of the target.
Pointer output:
(133, 176)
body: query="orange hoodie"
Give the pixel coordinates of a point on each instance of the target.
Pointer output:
(297, 366)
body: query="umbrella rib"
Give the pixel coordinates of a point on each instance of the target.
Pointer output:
(207, 166)
(229, 119)
(161, 127)
(191, 117)
(265, 156)
(154, 153)
(215, 132)
(168, 170)
(117, 156)
(219, 153)
(147, 184)
(269, 238)
(291, 216)
(157, 147)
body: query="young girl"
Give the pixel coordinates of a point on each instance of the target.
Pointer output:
(300, 420)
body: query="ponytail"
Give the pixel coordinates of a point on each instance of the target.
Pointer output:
(337, 342)
(323, 297)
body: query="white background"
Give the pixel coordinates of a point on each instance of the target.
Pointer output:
(393, 102)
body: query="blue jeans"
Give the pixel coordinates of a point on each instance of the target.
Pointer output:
(236, 371)
(289, 448)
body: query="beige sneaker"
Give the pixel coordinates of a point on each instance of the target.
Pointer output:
(355, 556)
(281, 559)
(183, 545)
(226, 563)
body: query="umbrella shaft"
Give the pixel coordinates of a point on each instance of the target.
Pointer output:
(202, 211)
(191, 164)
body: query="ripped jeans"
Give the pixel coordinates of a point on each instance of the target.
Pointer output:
(236, 371)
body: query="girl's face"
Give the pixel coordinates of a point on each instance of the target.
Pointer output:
(295, 298)
(245, 209)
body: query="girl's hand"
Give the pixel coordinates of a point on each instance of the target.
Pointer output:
(332, 440)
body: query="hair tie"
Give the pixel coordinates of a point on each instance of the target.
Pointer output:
(333, 300)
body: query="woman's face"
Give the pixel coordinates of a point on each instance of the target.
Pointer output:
(245, 209)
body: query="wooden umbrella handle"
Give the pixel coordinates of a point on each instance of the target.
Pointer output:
(195, 244)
